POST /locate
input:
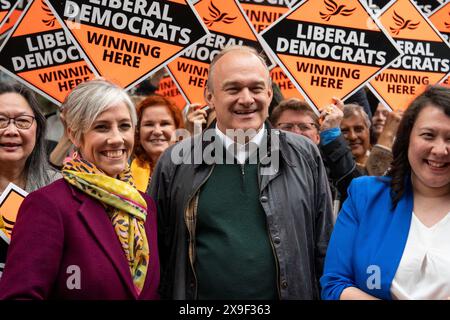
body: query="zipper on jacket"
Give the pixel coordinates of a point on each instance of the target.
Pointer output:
(191, 263)
(270, 240)
(276, 260)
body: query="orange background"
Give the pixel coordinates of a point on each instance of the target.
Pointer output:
(123, 75)
(359, 19)
(407, 11)
(279, 77)
(238, 28)
(446, 82)
(10, 207)
(398, 101)
(167, 84)
(322, 96)
(440, 17)
(11, 21)
(423, 32)
(259, 8)
(193, 93)
(52, 88)
(33, 22)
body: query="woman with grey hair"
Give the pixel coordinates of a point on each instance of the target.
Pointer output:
(92, 234)
(23, 160)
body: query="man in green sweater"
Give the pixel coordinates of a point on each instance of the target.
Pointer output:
(248, 228)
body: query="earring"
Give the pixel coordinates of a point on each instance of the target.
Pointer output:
(75, 154)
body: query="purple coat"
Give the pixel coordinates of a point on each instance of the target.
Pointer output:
(64, 247)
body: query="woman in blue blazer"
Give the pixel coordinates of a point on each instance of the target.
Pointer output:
(392, 237)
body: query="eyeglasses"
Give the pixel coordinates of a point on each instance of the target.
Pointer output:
(21, 122)
(301, 126)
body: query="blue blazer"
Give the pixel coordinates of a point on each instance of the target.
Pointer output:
(368, 239)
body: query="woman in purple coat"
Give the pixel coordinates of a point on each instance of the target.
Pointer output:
(90, 235)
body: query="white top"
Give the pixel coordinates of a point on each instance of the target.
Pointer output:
(242, 149)
(424, 270)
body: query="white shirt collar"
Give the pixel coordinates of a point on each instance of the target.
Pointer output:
(241, 154)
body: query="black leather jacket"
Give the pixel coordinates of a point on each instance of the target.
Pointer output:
(341, 167)
(295, 197)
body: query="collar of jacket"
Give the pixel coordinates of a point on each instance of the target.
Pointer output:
(100, 227)
(281, 147)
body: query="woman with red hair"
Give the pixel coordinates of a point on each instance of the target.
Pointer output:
(158, 118)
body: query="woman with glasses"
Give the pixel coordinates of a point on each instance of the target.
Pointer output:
(22, 147)
(23, 159)
(92, 234)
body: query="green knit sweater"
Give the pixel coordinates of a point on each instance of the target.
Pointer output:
(235, 259)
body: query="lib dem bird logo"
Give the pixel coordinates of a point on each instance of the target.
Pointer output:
(333, 10)
(447, 25)
(217, 16)
(50, 22)
(402, 24)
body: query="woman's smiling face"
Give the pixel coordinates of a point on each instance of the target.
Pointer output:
(108, 143)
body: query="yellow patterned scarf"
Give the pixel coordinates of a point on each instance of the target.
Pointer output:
(125, 206)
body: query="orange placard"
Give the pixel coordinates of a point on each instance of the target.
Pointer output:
(10, 201)
(446, 82)
(426, 6)
(126, 41)
(330, 48)
(426, 58)
(228, 25)
(10, 11)
(39, 53)
(262, 13)
(441, 20)
(169, 89)
(286, 86)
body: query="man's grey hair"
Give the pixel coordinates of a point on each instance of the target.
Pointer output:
(88, 100)
(355, 109)
(232, 48)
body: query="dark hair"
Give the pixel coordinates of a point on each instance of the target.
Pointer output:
(295, 105)
(151, 101)
(437, 96)
(37, 164)
(277, 97)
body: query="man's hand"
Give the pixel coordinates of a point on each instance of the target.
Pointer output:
(332, 115)
(389, 132)
(195, 118)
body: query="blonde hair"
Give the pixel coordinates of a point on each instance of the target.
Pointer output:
(83, 105)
